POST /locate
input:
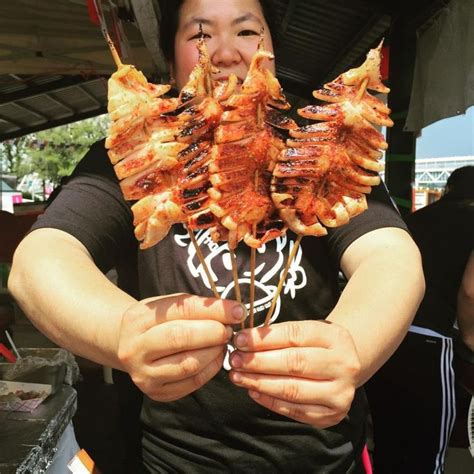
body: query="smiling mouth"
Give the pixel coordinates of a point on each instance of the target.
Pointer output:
(226, 78)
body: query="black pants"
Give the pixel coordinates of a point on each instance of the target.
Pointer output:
(413, 409)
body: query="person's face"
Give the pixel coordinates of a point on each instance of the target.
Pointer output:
(231, 29)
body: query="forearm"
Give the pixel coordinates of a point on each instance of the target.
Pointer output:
(66, 297)
(380, 301)
(465, 304)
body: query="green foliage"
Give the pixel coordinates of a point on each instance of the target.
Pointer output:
(52, 153)
(12, 153)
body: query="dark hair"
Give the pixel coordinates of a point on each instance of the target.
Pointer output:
(170, 17)
(460, 184)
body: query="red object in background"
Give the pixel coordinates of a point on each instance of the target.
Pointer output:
(7, 353)
(93, 15)
(384, 64)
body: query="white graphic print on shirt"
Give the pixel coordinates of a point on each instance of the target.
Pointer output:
(273, 265)
(217, 254)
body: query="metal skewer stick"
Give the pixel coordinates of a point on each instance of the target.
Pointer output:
(282, 280)
(202, 261)
(12, 344)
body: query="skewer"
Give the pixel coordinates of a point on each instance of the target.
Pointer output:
(105, 33)
(253, 254)
(113, 50)
(12, 344)
(362, 89)
(202, 261)
(235, 275)
(233, 261)
(282, 280)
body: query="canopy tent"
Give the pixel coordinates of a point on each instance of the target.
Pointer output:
(54, 61)
(443, 84)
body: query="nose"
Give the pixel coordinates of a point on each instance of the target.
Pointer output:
(225, 54)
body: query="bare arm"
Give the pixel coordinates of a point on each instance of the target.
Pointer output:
(170, 345)
(466, 304)
(57, 284)
(385, 288)
(309, 370)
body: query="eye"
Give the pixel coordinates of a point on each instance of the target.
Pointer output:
(247, 33)
(199, 35)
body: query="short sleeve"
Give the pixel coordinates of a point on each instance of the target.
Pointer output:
(380, 213)
(89, 206)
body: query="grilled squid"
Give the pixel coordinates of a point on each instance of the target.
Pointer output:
(327, 168)
(245, 149)
(151, 141)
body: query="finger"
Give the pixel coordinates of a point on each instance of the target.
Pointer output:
(289, 334)
(152, 311)
(308, 362)
(176, 390)
(178, 336)
(331, 394)
(316, 415)
(184, 364)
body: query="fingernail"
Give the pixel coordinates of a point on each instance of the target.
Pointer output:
(253, 394)
(230, 332)
(239, 312)
(241, 340)
(236, 377)
(236, 361)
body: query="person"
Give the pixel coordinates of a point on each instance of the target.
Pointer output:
(412, 397)
(465, 304)
(292, 399)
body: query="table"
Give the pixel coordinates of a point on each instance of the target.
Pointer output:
(28, 440)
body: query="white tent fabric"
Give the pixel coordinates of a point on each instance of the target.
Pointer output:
(443, 84)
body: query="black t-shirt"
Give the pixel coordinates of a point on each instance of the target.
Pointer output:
(219, 428)
(444, 232)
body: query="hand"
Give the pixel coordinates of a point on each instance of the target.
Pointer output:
(306, 370)
(173, 345)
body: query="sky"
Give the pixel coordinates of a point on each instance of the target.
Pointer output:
(453, 136)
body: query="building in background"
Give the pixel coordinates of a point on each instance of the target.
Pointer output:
(9, 195)
(441, 148)
(431, 175)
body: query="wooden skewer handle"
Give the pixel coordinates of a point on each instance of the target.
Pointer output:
(282, 280)
(202, 261)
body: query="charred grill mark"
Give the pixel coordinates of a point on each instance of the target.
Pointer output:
(187, 96)
(193, 192)
(205, 218)
(199, 172)
(193, 206)
(201, 156)
(188, 150)
(192, 128)
(277, 119)
(148, 183)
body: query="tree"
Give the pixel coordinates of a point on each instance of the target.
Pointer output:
(12, 153)
(54, 153)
